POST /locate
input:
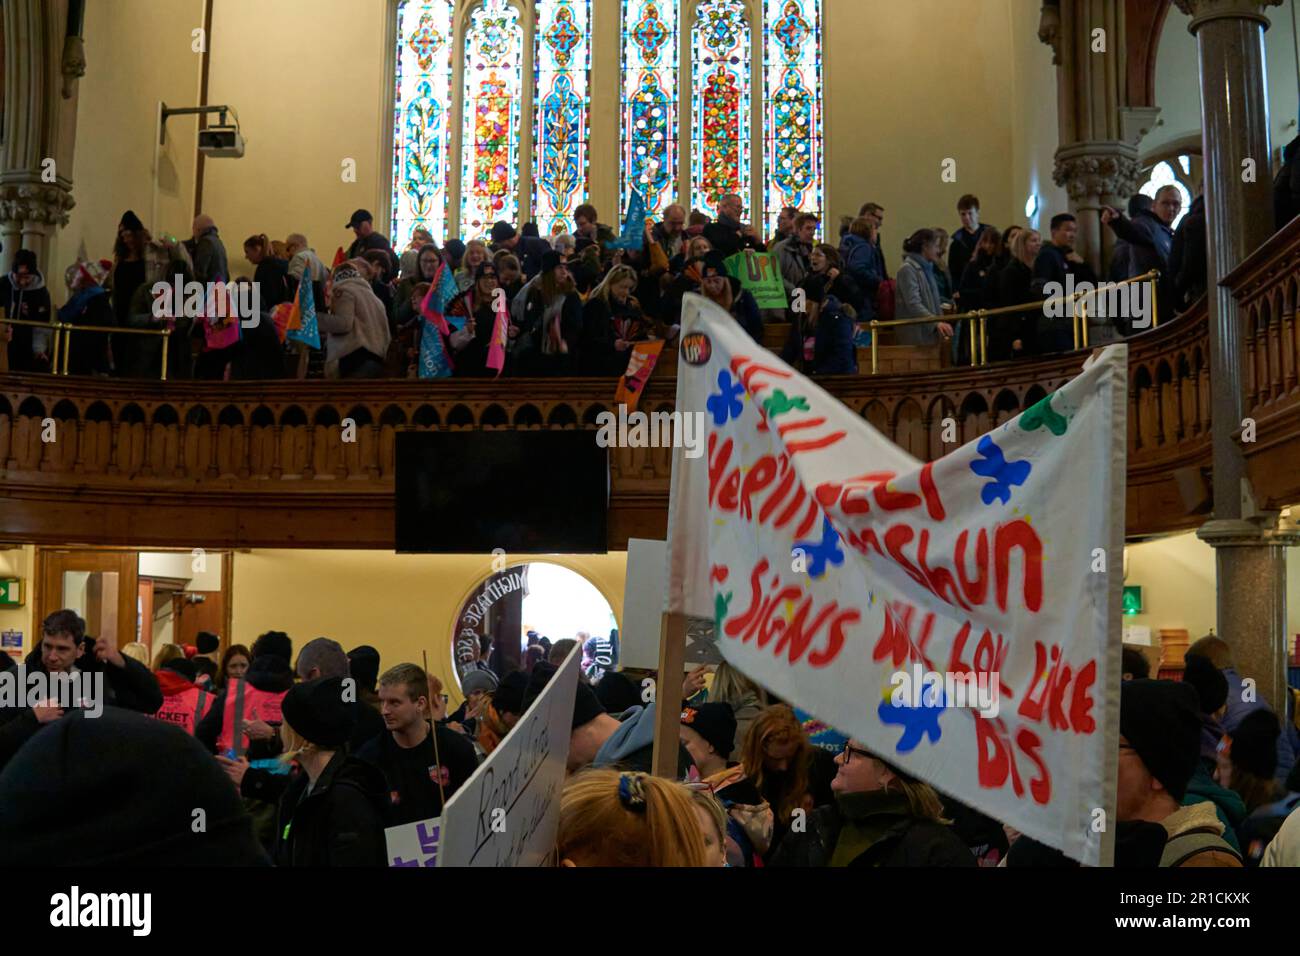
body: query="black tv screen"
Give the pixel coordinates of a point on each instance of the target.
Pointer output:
(469, 492)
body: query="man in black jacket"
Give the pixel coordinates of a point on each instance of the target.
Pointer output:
(529, 250)
(881, 817)
(727, 234)
(1150, 238)
(1056, 262)
(64, 649)
(965, 239)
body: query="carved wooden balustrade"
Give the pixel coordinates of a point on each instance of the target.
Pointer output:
(264, 464)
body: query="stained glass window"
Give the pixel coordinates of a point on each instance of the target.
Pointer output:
(648, 140)
(561, 112)
(720, 100)
(422, 118)
(792, 107)
(489, 179)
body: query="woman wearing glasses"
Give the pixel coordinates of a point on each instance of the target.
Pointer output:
(880, 817)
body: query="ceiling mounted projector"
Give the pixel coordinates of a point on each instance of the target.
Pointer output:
(221, 142)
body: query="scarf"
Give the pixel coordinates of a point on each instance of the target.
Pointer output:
(552, 336)
(868, 817)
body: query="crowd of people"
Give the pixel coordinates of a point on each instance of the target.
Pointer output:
(307, 764)
(578, 302)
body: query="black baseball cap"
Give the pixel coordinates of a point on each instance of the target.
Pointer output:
(358, 217)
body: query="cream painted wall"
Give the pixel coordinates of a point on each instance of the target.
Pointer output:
(1178, 82)
(19, 562)
(398, 603)
(1177, 579)
(907, 85)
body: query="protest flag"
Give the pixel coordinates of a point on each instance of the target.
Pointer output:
(960, 619)
(301, 323)
(633, 234)
(641, 362)
(434, 360)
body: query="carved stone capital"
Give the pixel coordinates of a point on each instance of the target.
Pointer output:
(1092, 170)
(35, 202)
(74, 63)
(1203, 10)
(1049, 28)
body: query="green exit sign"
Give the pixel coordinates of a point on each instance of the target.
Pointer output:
(11, 592)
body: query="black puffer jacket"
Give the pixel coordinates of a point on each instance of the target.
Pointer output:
(906, 841)
(340, 823)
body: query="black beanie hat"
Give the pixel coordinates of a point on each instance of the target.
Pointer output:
(502, 231)
(617, 692)
(130, 221)
(713, 263)
(716, 723)
(586, 705)
(317, 711)
(1254, 744)
(207, 642)
(117, 790)
(550, 261)
(182, 666)
(1208, 681)
(363, 664)
(273, 642)
(1161, 721)
(508, 698)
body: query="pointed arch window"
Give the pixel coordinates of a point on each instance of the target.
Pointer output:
(493, 91)
(422, 118)
(648, 139)
(792, 108)
(720, 103)
(561, 112)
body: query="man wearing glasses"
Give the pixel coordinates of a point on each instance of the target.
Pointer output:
(1150, 238)
(880, 817)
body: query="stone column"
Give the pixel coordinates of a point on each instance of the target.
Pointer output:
(1249, 557)
(42, 64)
(1097, 162)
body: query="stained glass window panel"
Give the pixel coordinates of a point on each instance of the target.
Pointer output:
(648, 139)
(720, 98)
(421, 118)
(489, 179)
(561, 112)
(792, 108)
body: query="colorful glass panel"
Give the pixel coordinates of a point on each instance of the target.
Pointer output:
(648, 139)
(720, 104)
(561, 112)
(489, 181)
(792, 108)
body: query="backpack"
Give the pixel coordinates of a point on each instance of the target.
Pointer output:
(1188, 844)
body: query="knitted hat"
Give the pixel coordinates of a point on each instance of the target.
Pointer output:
(617, 692)
(274, 642)
(550, 260)
(1161, 721)
(508, 698)
(586, 705)
(455, 249)
(117, 790)
(1254, 744)
(713, 263)
(1210, 684)
(716, 723)
(316, 709)
(478, 680)
(207, 642)
(502, 231)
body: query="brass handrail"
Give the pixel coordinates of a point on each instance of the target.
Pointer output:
(981, 315)
(62, 344)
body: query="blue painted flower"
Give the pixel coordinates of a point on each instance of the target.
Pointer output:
(917, 722)
(819, 554)
(1004, 473)
(726, 404)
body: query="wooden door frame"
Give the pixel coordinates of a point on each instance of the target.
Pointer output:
(49, 584)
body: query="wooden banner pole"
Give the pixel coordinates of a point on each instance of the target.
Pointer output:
(668, 694)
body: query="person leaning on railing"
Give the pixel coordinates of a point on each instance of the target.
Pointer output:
(164, 259)
(23, 296)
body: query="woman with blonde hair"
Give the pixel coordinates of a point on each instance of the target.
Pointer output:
(1014, 335)
(612, 818)
(612, 323)
(476, 253)
(137, 652)
(165, 653)
(746, 698)
(332, 812)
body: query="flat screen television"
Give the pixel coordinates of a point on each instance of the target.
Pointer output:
(532, 492)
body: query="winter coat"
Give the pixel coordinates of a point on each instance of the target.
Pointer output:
(1015, 285)
(889, 836)
(356, 320)
(534, 359)
(917, 296)
(131, 687)
(792, 256)
(339, 823)
(1228, 806)
(1239, 708)
(1052, 266)
(861, 261)
(960, 253)
(1188, 256)
(603, 324)
(725, 236)
(33, 305)
(271, 279)
(833, 350)
(1197, 828)
(88, 351)
(210, 262)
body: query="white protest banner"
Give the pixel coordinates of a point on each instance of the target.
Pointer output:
(960, 618)
(507, 813)
(643, 604)
(414, 844)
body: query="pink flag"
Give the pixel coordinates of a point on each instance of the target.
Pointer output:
(500, 333)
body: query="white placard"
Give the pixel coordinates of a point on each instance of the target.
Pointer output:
(507, 813)
(414, 844)
(1137, 634)
(643, 604)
